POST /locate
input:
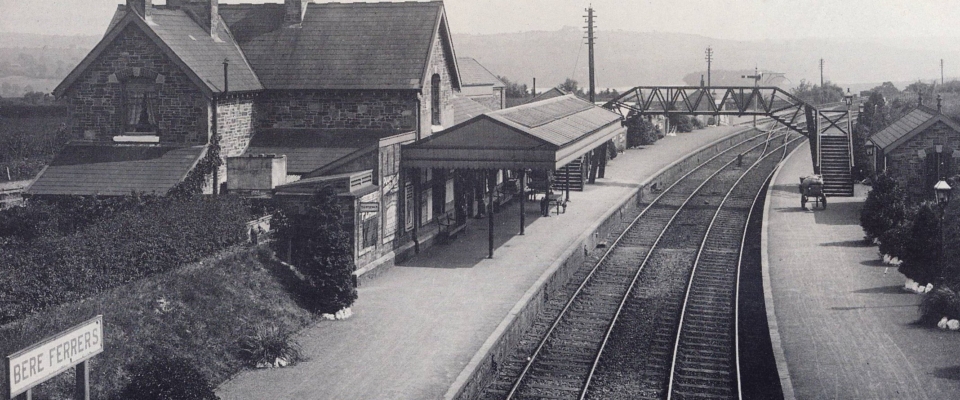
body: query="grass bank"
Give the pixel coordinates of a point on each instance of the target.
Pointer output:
(197, 312)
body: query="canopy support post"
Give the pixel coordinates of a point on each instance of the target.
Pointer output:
(566, 178)
(493, 181)
(523, 197)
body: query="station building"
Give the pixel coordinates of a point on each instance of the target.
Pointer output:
(919, 149)
(286, 98)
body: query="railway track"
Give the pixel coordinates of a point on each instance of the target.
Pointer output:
(637, 361)
(705, 357)
(573, 333)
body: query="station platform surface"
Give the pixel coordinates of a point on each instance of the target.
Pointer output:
(846, 327)
(416, 325)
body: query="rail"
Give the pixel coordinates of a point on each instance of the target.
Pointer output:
(693, 274)
(589, 277)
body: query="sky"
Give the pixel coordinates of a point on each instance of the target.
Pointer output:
(723, 19)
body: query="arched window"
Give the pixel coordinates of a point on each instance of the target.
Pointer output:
(435, 99)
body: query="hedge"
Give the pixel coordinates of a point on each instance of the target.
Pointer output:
(57, 266)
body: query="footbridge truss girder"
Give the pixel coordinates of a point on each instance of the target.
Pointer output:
(767, 101)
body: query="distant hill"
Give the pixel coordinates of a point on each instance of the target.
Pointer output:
(626, 59)
(30, 62)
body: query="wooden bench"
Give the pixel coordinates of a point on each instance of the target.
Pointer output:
(446, 228)
(554, 200)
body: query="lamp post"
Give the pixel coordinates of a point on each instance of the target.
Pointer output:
(942, 190)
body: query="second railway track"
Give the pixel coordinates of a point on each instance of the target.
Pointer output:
(558, 356)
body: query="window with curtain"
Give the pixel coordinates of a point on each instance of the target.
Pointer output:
(140, 103)
(435, 98)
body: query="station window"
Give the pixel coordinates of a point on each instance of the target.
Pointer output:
(140, 103)
(435, 99)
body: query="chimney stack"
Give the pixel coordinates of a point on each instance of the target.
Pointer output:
(205, 13)
(294, 11)
(142, 7)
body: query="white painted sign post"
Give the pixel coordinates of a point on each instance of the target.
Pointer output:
(50, 357)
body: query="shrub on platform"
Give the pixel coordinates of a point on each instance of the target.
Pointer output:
(921, 249)
(269, 345)
(641, 132)
(884, 207)
(319, 245)
(942, 302)
(167, 378)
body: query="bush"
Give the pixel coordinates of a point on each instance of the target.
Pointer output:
(267, 345)
(697, 124)
(941, 302)
(921, 249)
(122, 246)
(883, 208)
(167, 378)
(320, 247)
(641, 132)
(683, 123)
(711, 121)
(893, 241)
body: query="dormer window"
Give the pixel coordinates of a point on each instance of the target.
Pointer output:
(140, 103)
(435, 99)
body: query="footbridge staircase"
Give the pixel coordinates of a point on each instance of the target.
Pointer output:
(828, 126)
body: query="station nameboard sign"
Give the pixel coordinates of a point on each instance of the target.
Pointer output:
(34, 365)
(369, 207)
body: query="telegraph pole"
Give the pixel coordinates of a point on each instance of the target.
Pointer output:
(598, 160)
(709, 60)
(821, 73)
(590, 48)
(941, 71)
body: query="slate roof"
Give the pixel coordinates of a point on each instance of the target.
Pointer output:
(465, 108)
(908, 126)
(559, 120)
(202, 53)
(115, 170)
(341, 46)
(472, 73)
(310, 149)
(552, 93)
(542, 135)
(184, 41)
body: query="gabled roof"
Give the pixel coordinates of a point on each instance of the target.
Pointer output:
(115, 170)
(465, 108)
(544, 135)
(188, 45)
(474, 74)
(342, 46)
(908, 126)
(310, 149)
(550, 94)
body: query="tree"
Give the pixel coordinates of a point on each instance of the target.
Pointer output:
(884, 207)
(922, 248)
(886, 89)
(320, 247)
(813, 94)
(514, 89)
(571, 86)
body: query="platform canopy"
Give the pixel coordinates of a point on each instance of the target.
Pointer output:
(545, 135)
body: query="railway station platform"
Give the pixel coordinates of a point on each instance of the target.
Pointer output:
(845, 327)
(418, 324)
